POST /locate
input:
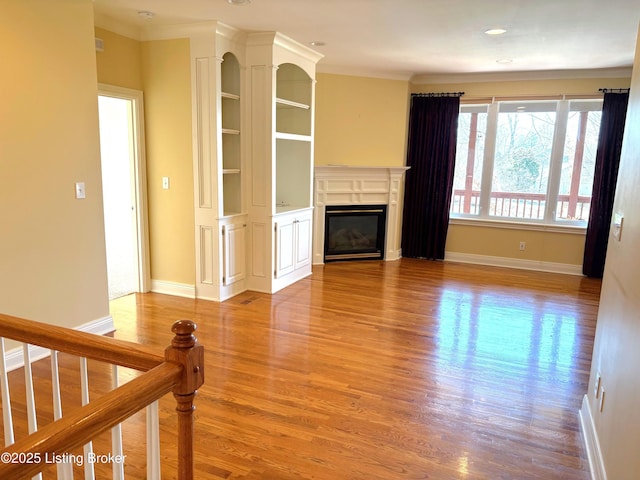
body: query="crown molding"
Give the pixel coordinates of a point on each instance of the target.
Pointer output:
(622, 72)
(184, 30)
(362, 72)
(168, 32)
(258, 39)
(118, 27)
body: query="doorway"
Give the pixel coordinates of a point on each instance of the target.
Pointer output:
(123, 190)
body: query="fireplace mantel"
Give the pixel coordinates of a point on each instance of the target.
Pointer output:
(352, 185)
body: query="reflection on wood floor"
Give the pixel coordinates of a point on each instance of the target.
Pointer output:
(387, 370)
(368, 370)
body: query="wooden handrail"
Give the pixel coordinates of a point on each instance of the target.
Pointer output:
(74, 429)
(81, 344)
(181, 371)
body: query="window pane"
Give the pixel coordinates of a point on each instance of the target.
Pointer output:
(521, 164)
(578, 160)
(472, 126)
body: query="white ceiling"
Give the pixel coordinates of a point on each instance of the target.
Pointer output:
(406, 38)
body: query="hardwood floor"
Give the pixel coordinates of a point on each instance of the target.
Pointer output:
(383, 370)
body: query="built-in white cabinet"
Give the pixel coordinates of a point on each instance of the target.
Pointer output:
(282, 86)
(293, 245)
(253, 121)
(219, 162)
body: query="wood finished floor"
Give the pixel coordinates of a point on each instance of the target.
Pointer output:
(383, 370)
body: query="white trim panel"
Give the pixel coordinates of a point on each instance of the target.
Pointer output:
(507, 262)
(173, 288)
(519, 225)
(590, 438)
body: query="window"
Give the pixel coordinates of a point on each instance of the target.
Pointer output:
(578, 161)
(472, 127)
(527, 161)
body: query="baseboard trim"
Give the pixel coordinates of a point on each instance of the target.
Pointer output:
(507, 262)
(173, 288)
(15, 357)
(592, 445)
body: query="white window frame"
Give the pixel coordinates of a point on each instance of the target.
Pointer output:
(549, 222)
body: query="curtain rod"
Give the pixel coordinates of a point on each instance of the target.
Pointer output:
(443, 94)
(614, 90)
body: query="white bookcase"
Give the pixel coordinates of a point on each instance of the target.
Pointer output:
(282, 85)
(231, 129)
(253, 122)
(218, 106)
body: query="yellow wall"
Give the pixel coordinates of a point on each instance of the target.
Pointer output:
(161, 69)
(120, 62)
(166, 75)
(360, 121)
(541, 246)
(616, 352)
(52, 253)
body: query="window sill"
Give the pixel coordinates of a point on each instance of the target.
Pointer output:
(514, 225)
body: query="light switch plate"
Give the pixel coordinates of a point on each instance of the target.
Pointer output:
(618, 220)
(80, 190)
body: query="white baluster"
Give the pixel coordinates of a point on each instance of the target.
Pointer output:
(116, 435)
(32, 419)
(153, 442)
(89, 473)
(7, 418)
(65, 470)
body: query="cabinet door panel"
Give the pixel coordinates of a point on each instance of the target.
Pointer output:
(234, 254)
(284, 248)
(303, 242)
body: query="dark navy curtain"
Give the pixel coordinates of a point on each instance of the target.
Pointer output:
(614, 113)
(431, 153)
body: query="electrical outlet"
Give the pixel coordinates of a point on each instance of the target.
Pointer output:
(165, 183)
(522, 245)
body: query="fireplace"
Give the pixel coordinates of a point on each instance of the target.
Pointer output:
(354, 232)
(340, 185)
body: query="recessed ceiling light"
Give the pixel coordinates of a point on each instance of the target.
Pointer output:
(495, 31)
(239, 2)
(146, 14)
(317, 43)
(504, 60)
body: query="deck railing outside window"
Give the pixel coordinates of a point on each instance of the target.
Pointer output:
(521, 205)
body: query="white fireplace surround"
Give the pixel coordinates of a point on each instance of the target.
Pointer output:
(347, 185)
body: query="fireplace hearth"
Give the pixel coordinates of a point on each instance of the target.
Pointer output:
(354, 232)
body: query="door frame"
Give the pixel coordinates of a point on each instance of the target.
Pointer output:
(139, 179)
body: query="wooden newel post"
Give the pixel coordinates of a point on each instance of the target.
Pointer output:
(186, 351)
